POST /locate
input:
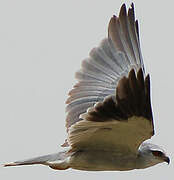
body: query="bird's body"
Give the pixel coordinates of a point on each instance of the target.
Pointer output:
(101, 160)
(96, 160)
(109, 113)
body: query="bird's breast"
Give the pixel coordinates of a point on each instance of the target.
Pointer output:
(100, 160)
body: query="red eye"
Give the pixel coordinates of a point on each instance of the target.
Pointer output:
(157, 153)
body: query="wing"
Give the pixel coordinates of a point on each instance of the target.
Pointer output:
(121, 122)
(101, 80)
(113, 59)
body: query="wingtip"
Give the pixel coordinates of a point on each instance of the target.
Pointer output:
(131, 12)
(123, 11)
(123, 6)
(147, 78)
(122, 14)
(132, 5)
(112, 23)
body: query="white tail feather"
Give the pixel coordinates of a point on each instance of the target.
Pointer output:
(55, 161)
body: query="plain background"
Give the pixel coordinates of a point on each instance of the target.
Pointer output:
(42, 43)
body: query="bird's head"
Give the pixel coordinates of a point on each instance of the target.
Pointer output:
(153, 154)
(160, 156)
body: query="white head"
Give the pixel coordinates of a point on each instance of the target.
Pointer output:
(150, 155)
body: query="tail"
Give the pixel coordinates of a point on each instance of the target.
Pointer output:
(57, 161)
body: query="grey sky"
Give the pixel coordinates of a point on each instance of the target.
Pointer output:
(42, 44)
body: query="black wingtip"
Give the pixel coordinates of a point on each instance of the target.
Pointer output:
(123, 7)
(147, 79)
(132, 5)
(123, 11)
(131, 12)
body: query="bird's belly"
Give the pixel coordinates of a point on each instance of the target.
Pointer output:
(102, 161)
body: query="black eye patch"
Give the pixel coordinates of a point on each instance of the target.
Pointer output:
(157, 153)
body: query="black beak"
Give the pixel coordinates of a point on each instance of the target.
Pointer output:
(167, 160)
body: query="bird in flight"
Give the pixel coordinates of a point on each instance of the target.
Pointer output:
(109, 114)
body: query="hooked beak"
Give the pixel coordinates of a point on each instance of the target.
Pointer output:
(167, 160)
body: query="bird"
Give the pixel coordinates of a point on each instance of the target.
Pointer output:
(109, 112)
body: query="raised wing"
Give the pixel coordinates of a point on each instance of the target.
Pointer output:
(113, 59)
(101, 74)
